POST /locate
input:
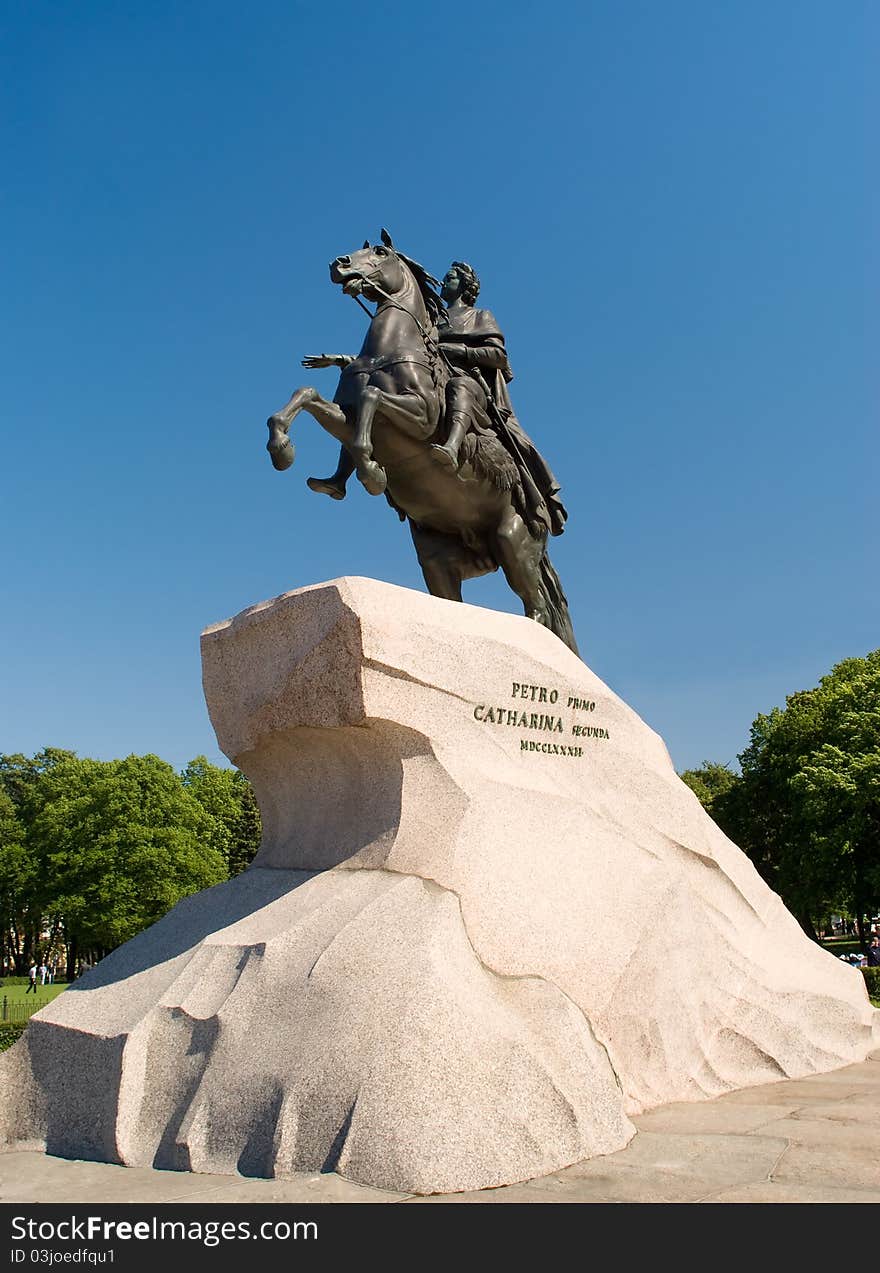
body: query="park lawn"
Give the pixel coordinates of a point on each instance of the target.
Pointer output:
(842, 946)
(16, 994)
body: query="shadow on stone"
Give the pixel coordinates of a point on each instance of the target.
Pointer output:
(191, 921)
(331, 1162)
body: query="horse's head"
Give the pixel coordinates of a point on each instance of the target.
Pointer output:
(376, 264)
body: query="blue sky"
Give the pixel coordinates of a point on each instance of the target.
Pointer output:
(673, 209)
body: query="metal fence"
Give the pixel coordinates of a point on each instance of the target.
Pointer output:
(15, 1010)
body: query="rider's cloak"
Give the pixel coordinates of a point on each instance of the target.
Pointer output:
(477, 328)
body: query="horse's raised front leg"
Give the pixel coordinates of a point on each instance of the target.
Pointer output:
(330, 417)
(406, 411)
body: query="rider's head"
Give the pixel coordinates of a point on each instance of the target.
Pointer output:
(468, 282)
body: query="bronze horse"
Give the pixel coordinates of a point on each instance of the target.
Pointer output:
(387, 412)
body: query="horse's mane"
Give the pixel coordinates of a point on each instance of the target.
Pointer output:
(426, 284)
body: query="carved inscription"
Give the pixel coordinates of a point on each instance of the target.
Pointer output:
(551, 749)
(542, 722)
(520, 720)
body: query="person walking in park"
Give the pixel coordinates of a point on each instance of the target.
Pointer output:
(32, 979)
(874, 952)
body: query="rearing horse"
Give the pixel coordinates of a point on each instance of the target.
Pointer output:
(386, 413)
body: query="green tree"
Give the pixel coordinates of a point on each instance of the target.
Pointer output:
(17, 878)
(710, 783)
(839, 785)
(807, 809)
(228, 796)
(248, 830)
(20, 775)
(116, 844)
(21, 779)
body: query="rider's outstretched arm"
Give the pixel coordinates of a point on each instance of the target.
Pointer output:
(314, 361)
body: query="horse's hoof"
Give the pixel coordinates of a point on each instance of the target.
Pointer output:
(324, 486)
(444, 456)
(282, 453)
(372, 478)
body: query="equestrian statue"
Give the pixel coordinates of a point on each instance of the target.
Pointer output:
(424, 417)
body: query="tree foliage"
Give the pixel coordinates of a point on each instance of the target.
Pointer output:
(92, 852)
(17, 879)
(807, 805)
(709, 782)
(118, 843)
(227, 795)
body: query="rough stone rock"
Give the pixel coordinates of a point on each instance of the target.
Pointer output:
(487, 924)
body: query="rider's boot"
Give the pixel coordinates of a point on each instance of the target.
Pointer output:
(448, 454)
(334, 486)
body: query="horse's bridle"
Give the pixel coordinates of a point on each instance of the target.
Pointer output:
(374, 286)
(433, 346)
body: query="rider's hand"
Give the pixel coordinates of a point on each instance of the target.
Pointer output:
(324, 360)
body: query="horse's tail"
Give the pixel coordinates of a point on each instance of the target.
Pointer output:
(556, 604)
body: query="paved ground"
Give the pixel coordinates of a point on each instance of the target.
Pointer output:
(803, 1140)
